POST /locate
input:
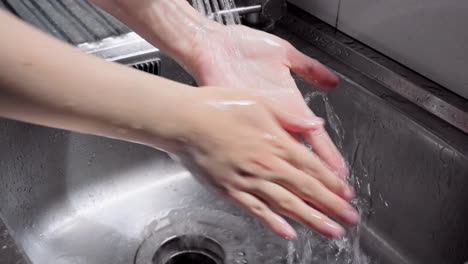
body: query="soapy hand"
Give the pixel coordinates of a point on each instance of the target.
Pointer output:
(243, 58)
(236, 146)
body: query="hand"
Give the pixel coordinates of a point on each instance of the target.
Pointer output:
(235, 145)
(238, 146)
(246, 59)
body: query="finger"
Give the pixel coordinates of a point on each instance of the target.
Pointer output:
(311, 70)
(295, 123)
(313, 191)
(261, 211)
(322, 144)
(304, 160)
(285, 202)
(310, 163)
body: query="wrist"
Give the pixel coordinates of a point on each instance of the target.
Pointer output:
(197, 53)
(159, 116)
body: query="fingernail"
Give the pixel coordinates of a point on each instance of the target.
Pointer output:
(288, 232)
(350, 216)
(333, 229)
(313, 123)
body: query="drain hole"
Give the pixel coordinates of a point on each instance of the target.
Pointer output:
(191, 257)
(186, 249)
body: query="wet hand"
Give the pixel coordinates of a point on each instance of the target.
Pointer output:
(242, 58)
(232, 142)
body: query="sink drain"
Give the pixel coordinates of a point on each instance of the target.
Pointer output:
(190, 257)
(189, 249)
(202, 236)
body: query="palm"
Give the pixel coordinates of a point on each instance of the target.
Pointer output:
(253, 61)
(243, 58)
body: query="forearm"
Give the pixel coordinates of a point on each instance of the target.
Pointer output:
(47, 82)
(171, 25)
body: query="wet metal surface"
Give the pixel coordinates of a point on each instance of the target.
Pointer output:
(9, 252)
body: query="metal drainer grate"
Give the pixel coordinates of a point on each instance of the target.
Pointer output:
(152, 66)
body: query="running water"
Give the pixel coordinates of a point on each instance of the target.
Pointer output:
(315, 248)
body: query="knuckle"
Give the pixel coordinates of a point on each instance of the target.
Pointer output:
(308, 191)
(234, 182)
(284, 179)
(272, 177)
(262, 160)
(258, 209)
(286, 204)
(300, 155)
(287, 155)
(273, 140)
(257, 171)
(248, 169)
(316, 170)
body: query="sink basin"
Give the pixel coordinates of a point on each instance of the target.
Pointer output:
(74, 198)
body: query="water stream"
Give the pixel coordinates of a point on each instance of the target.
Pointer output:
(345, 250)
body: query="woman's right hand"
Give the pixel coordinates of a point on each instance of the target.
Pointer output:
(233, 143)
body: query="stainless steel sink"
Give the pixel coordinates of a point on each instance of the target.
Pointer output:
(73, 198)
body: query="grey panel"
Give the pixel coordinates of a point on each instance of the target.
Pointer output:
(428, 36)
(326, 10)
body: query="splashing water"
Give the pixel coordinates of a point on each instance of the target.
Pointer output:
(344, 250)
